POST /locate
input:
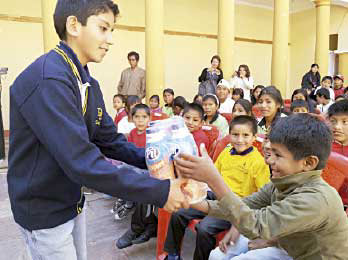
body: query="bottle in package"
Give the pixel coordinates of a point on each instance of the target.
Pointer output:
(157, 154)
(182, 141)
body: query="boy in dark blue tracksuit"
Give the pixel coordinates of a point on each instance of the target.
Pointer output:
(60, 133)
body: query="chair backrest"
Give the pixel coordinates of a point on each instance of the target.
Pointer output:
(158, 116)
(213, 134)
(257, 112)
(228, 116)
(220, 146)
(336, 174)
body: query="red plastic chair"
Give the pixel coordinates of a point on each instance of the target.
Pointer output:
(256, 112)
(158, 116)
(228, 116)
(213, 135)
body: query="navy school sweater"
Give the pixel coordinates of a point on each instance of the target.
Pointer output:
(55, 149)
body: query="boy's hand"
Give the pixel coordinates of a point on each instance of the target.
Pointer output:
(176, 199)
(197, 168)
(229, 239)
(258, 244)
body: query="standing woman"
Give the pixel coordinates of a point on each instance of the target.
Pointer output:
(210, 77)
(270, 103)
(243, 80)
(211, 115)
(312, 78)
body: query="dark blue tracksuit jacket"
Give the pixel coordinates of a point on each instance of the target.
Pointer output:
(55, 149)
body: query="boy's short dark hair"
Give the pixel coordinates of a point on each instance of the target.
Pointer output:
(155, 97)
(323, 92)
(303, 135)
(168, 90)
(298, 103)
(245, 120)
(340, 107)
(141, 107)
(131, 100)
(238, 91)
(120, 96)
(180, 101)
(133, 53)
(195, 107)
(82, 10)
(327, 77)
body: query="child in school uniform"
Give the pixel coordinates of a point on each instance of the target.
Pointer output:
(297, 207)
(126, 125)
(155, 104)
(168, 98)
(299, 106)
(323, 99)
(119, 103)
(222, 92)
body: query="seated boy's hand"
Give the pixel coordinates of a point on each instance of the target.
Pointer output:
(176, 199)
(258, 244)
(197, 168)
(229, 239)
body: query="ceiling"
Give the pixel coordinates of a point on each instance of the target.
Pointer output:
(295, 5)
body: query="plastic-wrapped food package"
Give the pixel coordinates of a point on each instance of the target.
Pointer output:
(164, 140)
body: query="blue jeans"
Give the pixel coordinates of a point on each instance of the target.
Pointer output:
(66, 241)
(240, 251)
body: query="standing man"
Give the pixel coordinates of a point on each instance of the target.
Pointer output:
(60, 134)
(132, 80)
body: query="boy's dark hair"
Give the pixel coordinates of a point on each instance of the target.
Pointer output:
(298, 103)
(238, 91)
(303, 135)
(327, 77)
(82, 10)
(245, 104)
(168, 90)
(274, 93)
(340, 107)
(180, 101)
(133, 53)
(323, 92)
(138, 107)
(195, 107)
(302, 91)
(155, 97)
(245, 120)
(120, 96)
(131, 100)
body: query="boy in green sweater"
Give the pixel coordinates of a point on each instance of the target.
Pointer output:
(298, 208)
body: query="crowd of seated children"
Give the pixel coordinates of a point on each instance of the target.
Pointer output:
(297, 207)
(302, 94)
(326, 82)
(179, 104)
(323, 99)
(211, 115)
(256, 93)
(119, 103)
(168, 98)
(198, 99)
(338, 85)
(299, 106)
(238, 247)
(237, 93)
(222, 92)
(244, 171)
(338, 118)
(126, 124)
(193, 116)
(154, 103)
(270, 103)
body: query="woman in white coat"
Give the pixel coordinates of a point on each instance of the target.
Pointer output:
(243, 80)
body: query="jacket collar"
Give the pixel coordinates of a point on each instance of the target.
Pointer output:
(291, 182)
(233, 151)
(83, 71)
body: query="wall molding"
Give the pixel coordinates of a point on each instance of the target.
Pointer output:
(23, 19)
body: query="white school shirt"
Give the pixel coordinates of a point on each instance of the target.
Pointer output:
(125, 127)
(246, 84)
(324, 108)
(227, 106)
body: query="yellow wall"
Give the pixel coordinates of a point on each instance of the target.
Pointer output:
(185, 56)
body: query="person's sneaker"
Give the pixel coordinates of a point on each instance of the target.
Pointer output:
(118, 203)
(126, 239)
(144, 237)
(173, 257)
(122, 212)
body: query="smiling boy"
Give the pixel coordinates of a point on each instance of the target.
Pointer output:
(298, 207)
(60, 134)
